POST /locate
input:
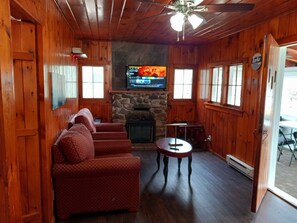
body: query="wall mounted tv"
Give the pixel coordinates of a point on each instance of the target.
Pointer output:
(146, 77)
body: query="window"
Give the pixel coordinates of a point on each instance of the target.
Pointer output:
(234, 85)
(204, 83)
(92, 82)
(216, 90)
(226, 84)
(183, 79)
(71, 83)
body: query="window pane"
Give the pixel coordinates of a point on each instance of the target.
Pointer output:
(187, 92)
(98, 78)
(234, 85)
(219, 93)
(216, 84)
(87, 90)
(238, 96)
(215, 76)
(220, 76)
(239, 76)
(183, 79)
(178, 76)
(232, 75)
(178, 92)
(231, 95)
(204, 83)
(98, 90)
(188, 76)
(87, 74)
(214, 93)
(93, 82)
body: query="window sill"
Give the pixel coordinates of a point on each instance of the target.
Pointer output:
(222, 108)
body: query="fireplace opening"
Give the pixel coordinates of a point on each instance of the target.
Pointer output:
(140, 125)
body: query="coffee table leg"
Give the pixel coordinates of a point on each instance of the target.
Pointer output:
(165, 170)
(158, 160)
(179, 161)
(190, 167)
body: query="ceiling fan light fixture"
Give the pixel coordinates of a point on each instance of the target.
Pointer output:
(195, 20)
(177, 21)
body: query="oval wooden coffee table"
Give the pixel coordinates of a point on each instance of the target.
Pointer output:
(174, 147)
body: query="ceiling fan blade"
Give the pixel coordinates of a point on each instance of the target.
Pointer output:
(159, 4)
(227, 7)
(157, 16)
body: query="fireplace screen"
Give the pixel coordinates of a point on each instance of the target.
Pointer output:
(141, 131)
(140, 126)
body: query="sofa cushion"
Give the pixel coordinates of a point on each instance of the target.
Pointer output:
(75, 147)
(81, 118)
(82, 129)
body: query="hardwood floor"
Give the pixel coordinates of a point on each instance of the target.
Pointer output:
(217, 193)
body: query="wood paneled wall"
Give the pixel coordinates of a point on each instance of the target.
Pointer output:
(10, 207)
(26, 114)
(99, 54)
(56, 40)
(54, 43)
(233, 133)
(181, 57)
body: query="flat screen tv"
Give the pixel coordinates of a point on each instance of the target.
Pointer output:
(146, 77)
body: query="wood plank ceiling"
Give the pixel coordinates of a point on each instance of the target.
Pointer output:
(124, 20)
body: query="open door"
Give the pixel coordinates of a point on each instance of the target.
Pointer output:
(266, 119)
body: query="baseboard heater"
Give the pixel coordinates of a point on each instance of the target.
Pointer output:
(240, 166)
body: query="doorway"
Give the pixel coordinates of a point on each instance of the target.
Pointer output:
(283, 165)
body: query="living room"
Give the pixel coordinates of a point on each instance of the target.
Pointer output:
(232, 130)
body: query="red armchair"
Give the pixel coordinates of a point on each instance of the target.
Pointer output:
(99, 130)
(90, 176)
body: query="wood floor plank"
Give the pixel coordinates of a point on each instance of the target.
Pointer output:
(217, 193)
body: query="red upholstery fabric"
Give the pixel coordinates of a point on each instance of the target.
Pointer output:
(109, 181)
(80, 118)
(109, 127)
(89, 140)
(76, 147)
(109, 135)
(93, 126)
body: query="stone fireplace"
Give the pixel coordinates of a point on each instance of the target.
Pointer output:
(130, 103)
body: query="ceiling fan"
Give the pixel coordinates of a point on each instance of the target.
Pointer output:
(192, 11)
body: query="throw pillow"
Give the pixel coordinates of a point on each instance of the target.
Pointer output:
(89, 144)
(73, 146)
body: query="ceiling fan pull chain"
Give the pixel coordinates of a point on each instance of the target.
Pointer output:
(184, 31)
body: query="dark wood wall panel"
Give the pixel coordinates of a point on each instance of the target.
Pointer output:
(233, 133)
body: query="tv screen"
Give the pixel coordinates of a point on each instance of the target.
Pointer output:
(139, 76)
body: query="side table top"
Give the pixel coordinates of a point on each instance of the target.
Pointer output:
(174, 147)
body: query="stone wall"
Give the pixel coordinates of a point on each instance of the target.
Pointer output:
(124, 102)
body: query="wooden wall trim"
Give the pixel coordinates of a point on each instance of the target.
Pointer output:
(287, 40)
(10, 207)
(23, 56)
(224, 109)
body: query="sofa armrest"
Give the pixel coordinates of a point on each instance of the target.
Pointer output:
(98, 168)
(109, 127)
(103, 147)
(109, 135)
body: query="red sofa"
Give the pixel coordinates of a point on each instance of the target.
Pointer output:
(91, 176)
(99, 130)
